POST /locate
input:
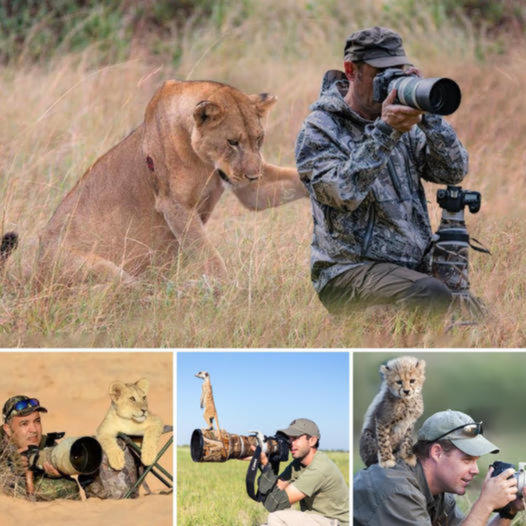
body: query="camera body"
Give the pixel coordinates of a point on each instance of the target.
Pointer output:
(520, 473)
(454, 199)
(434, 95)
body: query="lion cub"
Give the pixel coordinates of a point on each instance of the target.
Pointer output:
(128, 413)
(389, 420)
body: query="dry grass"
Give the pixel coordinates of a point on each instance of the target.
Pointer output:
(59, 117)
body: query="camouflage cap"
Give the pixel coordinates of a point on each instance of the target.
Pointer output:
(30, 405)
(377, 46)
(451, 425)
(301, 426)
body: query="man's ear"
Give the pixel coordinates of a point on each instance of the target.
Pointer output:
(7, 429)
(435, 452)
(350, 70)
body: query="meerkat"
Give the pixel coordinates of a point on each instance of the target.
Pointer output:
(389, 421)
(207, 402)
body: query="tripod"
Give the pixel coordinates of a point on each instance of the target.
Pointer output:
(450, 250)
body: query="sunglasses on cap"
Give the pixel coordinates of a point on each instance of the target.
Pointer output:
(21, 405)
(471, 430)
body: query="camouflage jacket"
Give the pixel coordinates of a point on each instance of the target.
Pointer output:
(13, 482)
(364, 181)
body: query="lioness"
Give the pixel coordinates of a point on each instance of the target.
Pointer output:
(128, 413)
(151, 194)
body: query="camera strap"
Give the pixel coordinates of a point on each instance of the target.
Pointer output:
(252, 471)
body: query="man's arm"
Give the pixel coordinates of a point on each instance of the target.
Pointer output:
(439, 152)
(335, 176)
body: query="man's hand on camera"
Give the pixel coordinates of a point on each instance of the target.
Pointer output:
(50, 470)
(262, 457)
(500, 490)
(23, 458)
(401, 118)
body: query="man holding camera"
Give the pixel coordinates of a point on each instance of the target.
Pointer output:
(311, 479)
(362, 162)
(23, 428)
(448, 447)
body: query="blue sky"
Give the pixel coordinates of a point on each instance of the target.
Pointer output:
(266, 391)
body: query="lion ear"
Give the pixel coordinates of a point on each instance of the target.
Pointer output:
(263, 102)
(143, 384)
(116, 389)
(207, 112)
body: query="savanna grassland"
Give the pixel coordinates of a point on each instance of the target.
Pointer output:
(66, 101)
(209, 493)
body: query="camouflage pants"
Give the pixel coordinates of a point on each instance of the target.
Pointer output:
(383, 283)
(108, 483)
(56, 488)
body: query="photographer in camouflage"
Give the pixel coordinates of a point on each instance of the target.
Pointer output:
(23, 428)
(362, 162)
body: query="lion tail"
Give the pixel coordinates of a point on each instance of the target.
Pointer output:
(7, 245)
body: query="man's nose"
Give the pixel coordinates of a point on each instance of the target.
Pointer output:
(475, 469)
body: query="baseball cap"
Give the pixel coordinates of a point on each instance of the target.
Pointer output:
(301, 426)
(377, 46)
(460, 429)
(21, 405)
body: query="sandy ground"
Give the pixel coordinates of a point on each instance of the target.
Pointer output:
(73, 386)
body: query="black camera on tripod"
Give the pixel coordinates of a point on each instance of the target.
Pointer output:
(449, 260)
(454, 199)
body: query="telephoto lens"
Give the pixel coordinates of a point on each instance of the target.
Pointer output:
(206, 446)
(73, 456)
(435, 95)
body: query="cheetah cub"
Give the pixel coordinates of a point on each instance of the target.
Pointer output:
(389, 420)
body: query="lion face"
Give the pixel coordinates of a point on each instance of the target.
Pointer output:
(228, 133)
(130, 400)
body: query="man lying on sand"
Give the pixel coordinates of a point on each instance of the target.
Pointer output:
(21, 475)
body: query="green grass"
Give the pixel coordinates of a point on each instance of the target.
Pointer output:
(209, 493)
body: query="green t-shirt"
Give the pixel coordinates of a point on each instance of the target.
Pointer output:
(324, 487)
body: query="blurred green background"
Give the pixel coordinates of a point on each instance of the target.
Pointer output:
(489, 386)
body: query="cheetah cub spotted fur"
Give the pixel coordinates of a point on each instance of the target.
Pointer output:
(389, 420)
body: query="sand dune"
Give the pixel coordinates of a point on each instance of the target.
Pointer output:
(73, 387)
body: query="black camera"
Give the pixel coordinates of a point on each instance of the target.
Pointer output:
(454, 199)
(435, 95)
(519, 475)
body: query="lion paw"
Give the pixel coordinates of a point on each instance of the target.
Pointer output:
(116, 459)
(147, 456)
